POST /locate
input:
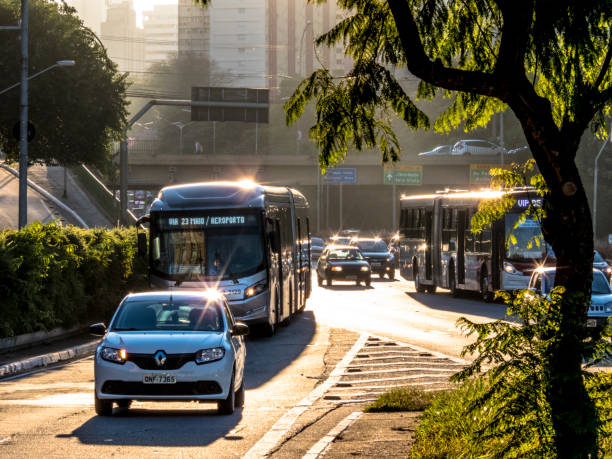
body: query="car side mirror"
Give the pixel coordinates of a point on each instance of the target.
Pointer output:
(240, 329)
(142, 244)
(97, 329)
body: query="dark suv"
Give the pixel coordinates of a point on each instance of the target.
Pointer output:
(377, 254)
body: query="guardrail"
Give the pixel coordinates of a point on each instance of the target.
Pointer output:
(105, 198)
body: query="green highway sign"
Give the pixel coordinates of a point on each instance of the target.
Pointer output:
(403, 175)
(480, 173)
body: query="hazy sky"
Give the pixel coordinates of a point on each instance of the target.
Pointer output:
(143, 5)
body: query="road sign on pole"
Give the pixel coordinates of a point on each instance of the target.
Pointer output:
(341, 175)
(403, 175)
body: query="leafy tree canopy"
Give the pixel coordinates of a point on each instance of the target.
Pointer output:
(77, 111)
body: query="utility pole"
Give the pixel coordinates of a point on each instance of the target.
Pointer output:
(501, 137)
(23, 125)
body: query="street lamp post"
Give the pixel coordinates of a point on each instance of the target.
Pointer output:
(23, 118)
(595, 173)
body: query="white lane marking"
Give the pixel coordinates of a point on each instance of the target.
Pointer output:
(399, 370)
(395, 378)
(323, 444)
(394, 364)
(280, 428)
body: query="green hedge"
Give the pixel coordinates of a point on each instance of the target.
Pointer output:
(61, 276)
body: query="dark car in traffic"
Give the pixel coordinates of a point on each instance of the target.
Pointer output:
(343, 263)
(317, 245)
(377, 253)
(601, 264)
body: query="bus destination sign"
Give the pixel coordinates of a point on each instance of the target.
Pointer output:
(207, 221)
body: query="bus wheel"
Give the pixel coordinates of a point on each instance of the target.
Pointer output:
(452, 285)
(487, 296)
(417, 281)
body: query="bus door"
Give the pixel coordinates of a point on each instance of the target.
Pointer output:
(461, 227)
(428, 244)
(275, 274)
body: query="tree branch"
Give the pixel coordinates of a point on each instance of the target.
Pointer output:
(420, 65)
(604, 66)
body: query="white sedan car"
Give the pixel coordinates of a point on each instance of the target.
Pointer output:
(170, 346)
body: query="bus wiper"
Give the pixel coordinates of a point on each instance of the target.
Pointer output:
(232, 276)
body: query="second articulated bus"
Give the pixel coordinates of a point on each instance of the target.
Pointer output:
(250, 242)
(438, 248)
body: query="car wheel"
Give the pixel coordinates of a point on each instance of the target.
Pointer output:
(381, 274)
(125, 404)
(392, 274)
(417, 281)
(103, 407)
(319, 280)
(239, 397)
(368, 281)
(227, 406)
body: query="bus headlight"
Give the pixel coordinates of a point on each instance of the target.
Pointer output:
(255, 289)
(336, 268)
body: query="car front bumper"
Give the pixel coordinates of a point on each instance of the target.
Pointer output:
(209, 381)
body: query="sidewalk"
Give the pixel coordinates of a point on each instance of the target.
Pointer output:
(42, 355)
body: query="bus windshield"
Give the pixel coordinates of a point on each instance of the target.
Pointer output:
(207, 253)
(526, 241)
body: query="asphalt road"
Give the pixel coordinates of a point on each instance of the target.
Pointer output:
(50, 413)
(9, 203)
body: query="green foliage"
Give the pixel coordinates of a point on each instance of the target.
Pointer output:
(470, 49)
(77, 111)
(402, 399)
(514, 359)
(52, 276)
(459, 425)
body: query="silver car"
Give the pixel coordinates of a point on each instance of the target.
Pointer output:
(476, 147)
(170, 345)
(438, 151)
(543, 280)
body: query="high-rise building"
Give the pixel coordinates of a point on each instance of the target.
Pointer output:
(193, 30)
(124, 41)
(160, 27)
(92, 12)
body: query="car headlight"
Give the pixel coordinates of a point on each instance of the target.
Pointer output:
(336, 268)
(389, 258)
(209, 355)
(114, 355)
(608, 307)
(608, 270)
(255, 289)
(510, 269)
(365, 268)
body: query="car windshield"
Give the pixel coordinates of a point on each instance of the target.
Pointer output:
(597, 258)
(317, 241)
(525, 241)
(372, 246)
(176, 315)
(600, 285)
(345, 254)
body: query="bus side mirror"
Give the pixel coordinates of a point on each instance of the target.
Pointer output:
(142, 244)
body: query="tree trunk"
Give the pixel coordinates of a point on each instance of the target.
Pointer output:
(567, 227)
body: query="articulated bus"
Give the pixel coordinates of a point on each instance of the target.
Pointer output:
(438, 248)
(250, 242)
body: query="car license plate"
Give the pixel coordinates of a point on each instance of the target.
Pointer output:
(376, 265)
(591, 323)
(163, 378)
(351, 277)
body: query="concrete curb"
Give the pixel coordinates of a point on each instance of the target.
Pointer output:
(44, 360)
(47, 195)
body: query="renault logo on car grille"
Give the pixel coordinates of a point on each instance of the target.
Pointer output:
(160, 358)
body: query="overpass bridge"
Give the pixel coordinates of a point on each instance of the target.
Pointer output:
(368, 203)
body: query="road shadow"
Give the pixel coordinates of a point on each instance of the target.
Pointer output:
(267, 357)
(200, 426)
(345, 287)
(467, 306)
